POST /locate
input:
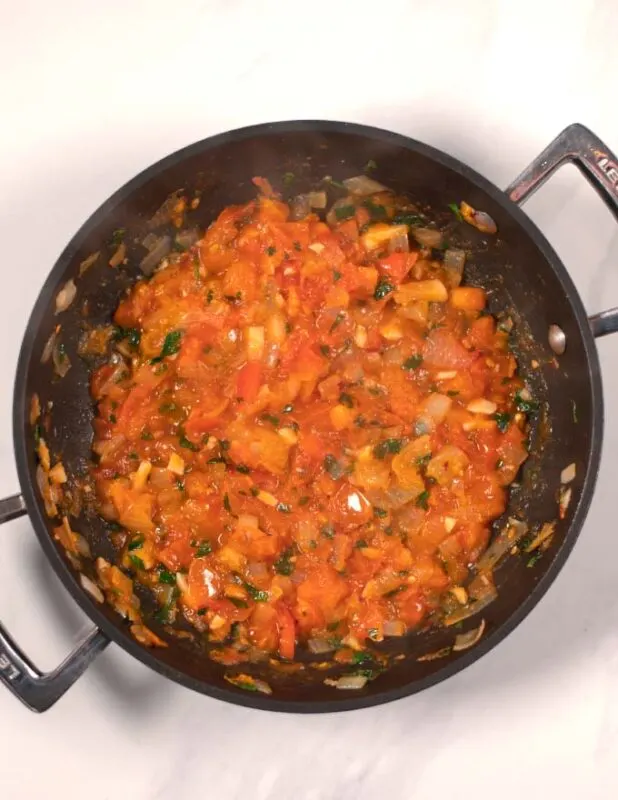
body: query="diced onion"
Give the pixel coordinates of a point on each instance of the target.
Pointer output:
(255, 342)
(65, 296)
(49, 346)
(187, 238)
(182, 583)
(319, 646)
(91, 587)
(62, 364)
(437, 406)
(482, 406)
(348, 682)
(399, 243)
(176, 464)
(472, 608)
(465, 640)
(546, 531)
(362, 186)
(317, 199)
(507, 538)
(119, 256)
(478, 219)
(454, 263)
(248, 521)
(88, 262)
(157, 251)
(568, 473)
(300, 207)
(427, 237)
(394, 628)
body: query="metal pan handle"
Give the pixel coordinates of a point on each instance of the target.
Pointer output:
(36, 689)
(578, 145)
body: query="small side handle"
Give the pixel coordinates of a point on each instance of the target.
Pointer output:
(40, 690)
(596, 162)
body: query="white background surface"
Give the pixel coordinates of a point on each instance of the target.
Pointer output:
(91, 93)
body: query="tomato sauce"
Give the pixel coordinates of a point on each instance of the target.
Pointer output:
(310, 435)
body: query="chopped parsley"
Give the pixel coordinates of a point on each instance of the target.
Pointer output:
(455, 209)
(136, 543)
(184, 442)
(527, 406)
(271, 250)
(167, 408)
(382, 449)
(243, 469)
(503, 419)
(274, 420)
(259, 595)
(413, 362)
(171, 346)
(325, 350)
(383, 288)
(226, 503)
(360, 657)
(165, 576)
(132, 336)
(346, 399)
(337, 321)
(284, 564)
(422, 461)
(380, 512)
(376, 212)
(337, 275)
(407, 218)
(333, 467)
(136, 561)
(328, 531)
(422, 501)
(203, 549)
(360, 544)
(345, 212)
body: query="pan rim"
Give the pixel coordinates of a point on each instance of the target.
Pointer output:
(122, 637)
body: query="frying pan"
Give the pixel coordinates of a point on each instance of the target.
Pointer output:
(522, 275)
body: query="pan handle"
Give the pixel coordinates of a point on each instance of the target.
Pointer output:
(40, 690)
(578, 145)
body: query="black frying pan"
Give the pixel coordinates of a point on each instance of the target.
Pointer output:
(518, 268)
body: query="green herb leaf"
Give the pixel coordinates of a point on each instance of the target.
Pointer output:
(422, 461)
(346, 399)
(503, 419)
(413, 362)
(171, 345)
(345, 212)
(146, 436)
(380, 512)
(527, 406)
(271, 418)
(382, 449)
(184, 442)
(360, 657)
(325, 350)
(167, 408)
(226, 503)
(360, 544)
(238, 602)
(337, 321)
(203, 549)
(534, 559)
(383, 288)
(407, 218)
(243, 469)
(271, 250)
(165, 576)
(455, 209)
(328, 531)
(337, 275)
(136, 543)
(256, 594)
(136, 561)
(422, 501)
(376, 211)
(284, 564)
(333, 467)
